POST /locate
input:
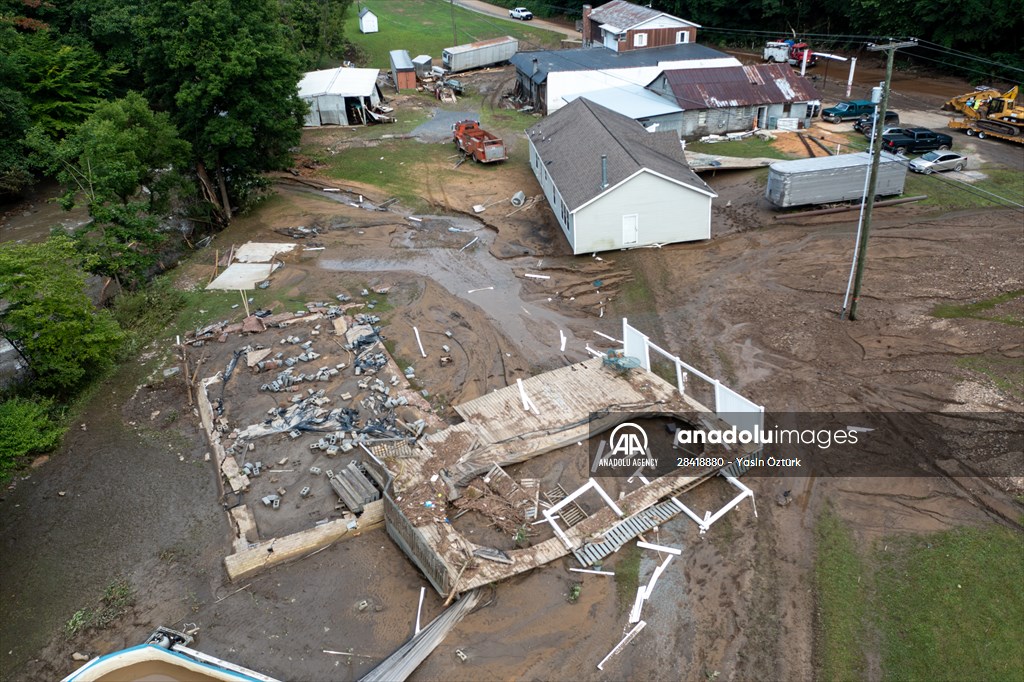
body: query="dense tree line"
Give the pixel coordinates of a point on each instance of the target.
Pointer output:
(991, 30)
(139, 109)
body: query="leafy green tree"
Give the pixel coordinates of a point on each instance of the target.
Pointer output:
(64, 82)
(122, 147)
(14, 120)
(121, 242)
(49, 318)
(224, 72)
(26, 427)
(315, 29)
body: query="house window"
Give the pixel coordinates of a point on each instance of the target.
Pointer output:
(565, 216)
(639, 40)
(702, 117)
(682, 37)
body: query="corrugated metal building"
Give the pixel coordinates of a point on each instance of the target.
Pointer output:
(611, 184)
(739, 98)
(653, 112)
(339, 96)
(548, 78)
(623, 26)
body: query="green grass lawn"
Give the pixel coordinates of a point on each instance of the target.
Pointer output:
(841, 601)
(944, 606)
(946, 193)
(751, 147)
(951, 605)
(425, 27)
(399, 173)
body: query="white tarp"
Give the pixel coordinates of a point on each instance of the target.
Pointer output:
(260, 252)
(241, 276)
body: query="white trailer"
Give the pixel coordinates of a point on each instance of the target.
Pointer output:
(478, 55)
(832, 178)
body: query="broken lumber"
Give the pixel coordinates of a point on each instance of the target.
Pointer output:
(659, 548)
(621, 645)
(279, 550)
(587, 570)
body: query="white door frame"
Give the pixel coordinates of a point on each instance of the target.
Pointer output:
(635, 219)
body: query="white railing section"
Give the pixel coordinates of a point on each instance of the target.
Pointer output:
(729, 405)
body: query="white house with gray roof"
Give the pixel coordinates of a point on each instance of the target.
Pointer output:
(613, 185)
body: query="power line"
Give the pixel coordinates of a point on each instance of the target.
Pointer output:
(959, 185)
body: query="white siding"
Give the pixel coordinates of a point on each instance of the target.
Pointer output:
(564, 218)
(667, 213)
(664, 21)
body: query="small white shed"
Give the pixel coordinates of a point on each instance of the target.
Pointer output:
(367, 21)
(340, 96)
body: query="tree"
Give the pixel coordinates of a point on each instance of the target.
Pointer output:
(122, 147)
(121, 242)
(223, 71)
(14, 121)
(63, 81)
(49, 319)
(26, 427)
(315, 29)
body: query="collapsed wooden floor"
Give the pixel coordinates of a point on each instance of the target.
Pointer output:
(566, 406)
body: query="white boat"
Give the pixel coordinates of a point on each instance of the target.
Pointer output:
(164, 657)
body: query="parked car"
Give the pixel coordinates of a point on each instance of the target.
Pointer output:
(886, 131)
(933, 162)
(864, 124)
(520, 13)
(845, 111)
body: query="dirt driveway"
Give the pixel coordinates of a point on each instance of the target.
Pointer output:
(756, 307)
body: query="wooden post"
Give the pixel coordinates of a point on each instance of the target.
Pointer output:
(455, 585)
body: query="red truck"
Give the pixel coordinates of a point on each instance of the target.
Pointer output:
(474, 141)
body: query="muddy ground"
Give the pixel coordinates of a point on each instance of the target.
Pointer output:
(756, 306)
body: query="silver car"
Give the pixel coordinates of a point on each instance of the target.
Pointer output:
(938, 161)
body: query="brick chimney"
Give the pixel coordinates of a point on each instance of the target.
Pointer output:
(586, 25)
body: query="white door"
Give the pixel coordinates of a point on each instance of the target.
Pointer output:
(630, 229)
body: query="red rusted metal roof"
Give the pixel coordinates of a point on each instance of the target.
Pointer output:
(739, 86)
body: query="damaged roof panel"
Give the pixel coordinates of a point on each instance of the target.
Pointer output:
(739, 86)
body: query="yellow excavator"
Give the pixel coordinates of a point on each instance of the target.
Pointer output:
(987, 112)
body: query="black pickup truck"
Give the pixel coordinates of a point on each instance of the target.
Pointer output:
(916, 140)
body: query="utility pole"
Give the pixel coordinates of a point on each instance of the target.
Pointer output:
(455, 34)
(876, 157)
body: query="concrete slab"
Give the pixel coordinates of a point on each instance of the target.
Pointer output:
(260, 252)
(241, 276)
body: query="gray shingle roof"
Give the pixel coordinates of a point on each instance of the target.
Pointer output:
(600, 58)
(625, 15)
(571, 141)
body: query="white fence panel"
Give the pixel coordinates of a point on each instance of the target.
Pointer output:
(634, 345)
(736, 410)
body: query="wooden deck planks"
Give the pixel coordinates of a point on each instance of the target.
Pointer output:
(553, 548)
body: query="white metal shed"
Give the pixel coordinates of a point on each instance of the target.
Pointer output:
(339, 96)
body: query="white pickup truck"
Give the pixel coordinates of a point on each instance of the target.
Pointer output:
(520, 13)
